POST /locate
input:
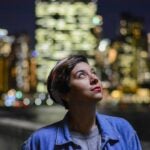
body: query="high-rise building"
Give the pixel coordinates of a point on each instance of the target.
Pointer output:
(63, 28)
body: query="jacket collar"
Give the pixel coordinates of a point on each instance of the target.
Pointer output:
(107, 131)
(63, 135)
(106, 128)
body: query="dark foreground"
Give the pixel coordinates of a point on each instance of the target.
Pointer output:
(17, 124)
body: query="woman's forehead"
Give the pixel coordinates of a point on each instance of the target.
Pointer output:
(81, 66)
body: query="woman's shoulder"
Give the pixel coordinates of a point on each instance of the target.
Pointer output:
(121, 124)
(119, 127)
(45, 132)
(48, 130)
(115, 119)
(43, 136)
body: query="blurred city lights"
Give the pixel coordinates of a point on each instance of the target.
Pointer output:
(3, 32)
(49, 102)
(19, 94)
(103, 45)
(26, 101)
(97, 20)
(38, 101)
(9, 98)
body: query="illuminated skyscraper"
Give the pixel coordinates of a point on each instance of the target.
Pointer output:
(63, 28)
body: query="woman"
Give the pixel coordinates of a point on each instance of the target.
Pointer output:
(74, 84)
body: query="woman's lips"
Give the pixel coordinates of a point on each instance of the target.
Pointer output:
(96, 89)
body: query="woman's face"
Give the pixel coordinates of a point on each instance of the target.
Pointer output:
(84, 85)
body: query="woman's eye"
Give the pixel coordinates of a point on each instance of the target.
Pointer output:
(82, 75)
(94, 72)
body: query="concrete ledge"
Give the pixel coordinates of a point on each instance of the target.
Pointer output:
(14, 132)
(17, 123)
(15, 127)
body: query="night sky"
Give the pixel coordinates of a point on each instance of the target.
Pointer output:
(111, 11)
(18, 15)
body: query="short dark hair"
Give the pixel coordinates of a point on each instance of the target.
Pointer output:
(59, 77)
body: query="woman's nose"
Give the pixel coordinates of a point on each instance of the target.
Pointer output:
(93, 79)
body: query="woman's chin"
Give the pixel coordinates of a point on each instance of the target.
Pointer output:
(98, 96)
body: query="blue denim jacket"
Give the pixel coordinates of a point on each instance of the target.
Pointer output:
(117, 134)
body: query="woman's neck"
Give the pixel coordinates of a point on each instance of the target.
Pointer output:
(82, 119)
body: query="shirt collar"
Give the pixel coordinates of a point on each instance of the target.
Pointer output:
(63, 134)
(107, 131)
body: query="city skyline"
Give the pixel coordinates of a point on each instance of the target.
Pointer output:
(19, 16)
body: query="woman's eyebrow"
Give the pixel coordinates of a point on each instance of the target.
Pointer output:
(92, 69)
(77, 72)
(82, 70)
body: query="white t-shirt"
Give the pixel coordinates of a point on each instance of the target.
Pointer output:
(91, 141)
